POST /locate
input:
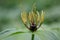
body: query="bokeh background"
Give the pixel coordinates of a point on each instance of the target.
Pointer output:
(10, 11)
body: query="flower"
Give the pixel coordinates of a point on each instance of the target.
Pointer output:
(32, 20)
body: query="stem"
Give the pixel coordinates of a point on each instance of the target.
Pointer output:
(32, 37)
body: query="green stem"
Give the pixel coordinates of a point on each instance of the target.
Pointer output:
(32, 37)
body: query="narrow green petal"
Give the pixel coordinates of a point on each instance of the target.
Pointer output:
(38, 17)
(24, 17)
(42, 17)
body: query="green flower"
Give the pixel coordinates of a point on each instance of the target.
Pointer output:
(32, 20)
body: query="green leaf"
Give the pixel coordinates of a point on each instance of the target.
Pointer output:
(26, 35)
(10, 32)
(46, 35)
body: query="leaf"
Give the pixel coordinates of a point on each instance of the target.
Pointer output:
(46, 35)
(23, 36)
(39, 35)
(10, 32)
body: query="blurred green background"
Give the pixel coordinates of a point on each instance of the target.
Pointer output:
(10, 13)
